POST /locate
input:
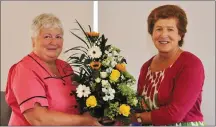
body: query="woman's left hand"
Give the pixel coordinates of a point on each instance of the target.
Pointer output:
(133, 118)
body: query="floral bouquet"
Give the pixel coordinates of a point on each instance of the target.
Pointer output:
(105, 87)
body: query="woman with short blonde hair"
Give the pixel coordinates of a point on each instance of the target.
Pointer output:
(38, 87)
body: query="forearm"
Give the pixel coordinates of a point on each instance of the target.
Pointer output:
(59, 118)
(42, 116)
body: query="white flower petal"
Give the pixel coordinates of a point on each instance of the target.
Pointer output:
(111, 97)
(106, 52)
(82, 90)
(104, 90)
(79, 95)
(113, 63)
(111, 91)
(109, 54)
(104, 82)
(105, 98)
(97, 80)
(103, 74)
(94, 52)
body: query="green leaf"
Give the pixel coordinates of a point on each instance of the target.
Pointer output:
(85, 70)
(74, 54)
(82, 57)
(87, 61)
(104, 40)
(89, 28)
(74, 57)
(80, 39)
(83, 32)
(77, 47)
(75, 77)
(107, 47)
(95, 74)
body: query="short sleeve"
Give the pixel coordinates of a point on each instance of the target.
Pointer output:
(28, 88)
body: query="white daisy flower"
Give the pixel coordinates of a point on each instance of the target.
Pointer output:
(111, 91)
(94, 52)
(108, 97)
(105, 98)
(82, 91)
(103, 74)
(105, 90)
(108, 90)
(97, 80)
(111, 97)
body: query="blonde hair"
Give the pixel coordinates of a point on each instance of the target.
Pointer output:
(45, 20)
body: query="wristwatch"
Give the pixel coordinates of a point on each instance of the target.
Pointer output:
(138, 117)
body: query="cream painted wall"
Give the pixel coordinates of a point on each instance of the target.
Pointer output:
(125, 24)
(16, 19)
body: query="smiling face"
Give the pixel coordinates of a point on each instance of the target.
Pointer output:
(165, 35)
(48, 44)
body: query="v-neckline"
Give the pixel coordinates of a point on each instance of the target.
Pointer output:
(44, 65)
(168, 66)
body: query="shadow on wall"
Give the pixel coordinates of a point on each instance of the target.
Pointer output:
(5, 111)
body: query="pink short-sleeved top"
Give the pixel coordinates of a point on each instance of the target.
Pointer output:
(30, 81)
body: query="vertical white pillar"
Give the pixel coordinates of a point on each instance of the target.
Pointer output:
(95, 16)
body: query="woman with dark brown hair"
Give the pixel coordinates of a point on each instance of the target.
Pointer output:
(171, 82)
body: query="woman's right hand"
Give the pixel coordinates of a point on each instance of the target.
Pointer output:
(42, 116)
(89, 120)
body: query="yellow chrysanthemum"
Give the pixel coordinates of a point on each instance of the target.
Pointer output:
(91, 102)
(114, 76)
(124, 110)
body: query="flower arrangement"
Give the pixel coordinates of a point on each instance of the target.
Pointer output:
(104, 86)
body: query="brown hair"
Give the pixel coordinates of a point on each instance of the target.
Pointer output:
(169, 11)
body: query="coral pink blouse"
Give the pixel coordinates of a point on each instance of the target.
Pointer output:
(30, 81)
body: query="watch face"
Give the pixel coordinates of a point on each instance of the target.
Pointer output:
(139, 120)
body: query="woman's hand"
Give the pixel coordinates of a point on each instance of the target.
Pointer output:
(89, 120)
(144, 105)
(42, 116)
(133, 118)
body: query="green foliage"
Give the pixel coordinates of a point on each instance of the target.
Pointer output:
(92, 61)
(112, 111)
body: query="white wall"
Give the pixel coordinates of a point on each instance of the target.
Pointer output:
(16, 19)
(125, 24)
